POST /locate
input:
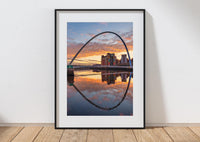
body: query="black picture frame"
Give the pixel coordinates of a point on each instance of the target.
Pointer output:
(55, 49)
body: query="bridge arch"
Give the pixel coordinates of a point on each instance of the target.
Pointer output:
(99, 35)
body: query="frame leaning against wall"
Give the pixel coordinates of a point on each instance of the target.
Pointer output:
(56, 85)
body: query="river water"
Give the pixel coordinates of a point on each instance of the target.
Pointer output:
(100, 92)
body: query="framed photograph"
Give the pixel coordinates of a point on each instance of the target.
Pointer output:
(99, 68)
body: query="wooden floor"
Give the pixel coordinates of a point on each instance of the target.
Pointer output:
(49, 134)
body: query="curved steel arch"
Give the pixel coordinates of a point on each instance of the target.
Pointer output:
(104, 108)
(98, 35)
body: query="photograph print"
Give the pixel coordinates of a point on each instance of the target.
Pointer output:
(99, 72)
(99, 69)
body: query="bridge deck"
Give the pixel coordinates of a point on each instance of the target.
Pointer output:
(105, 67)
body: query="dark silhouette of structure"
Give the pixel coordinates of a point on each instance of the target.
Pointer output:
(99, 35)
(109, 59)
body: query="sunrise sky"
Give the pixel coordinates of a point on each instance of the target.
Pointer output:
(79, 33)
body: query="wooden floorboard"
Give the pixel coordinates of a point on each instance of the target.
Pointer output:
(49, 134)
(196, 130)
(182, 134)
(152, 135)
(100, 135)
(74, 135)
(9, 133)
(27, 134)
(124, 135)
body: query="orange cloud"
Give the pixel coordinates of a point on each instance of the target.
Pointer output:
(106, 98)
(98, 30)
(96, 49)
(128, 38)
(104, 23)
(94, 98)
(91, 35)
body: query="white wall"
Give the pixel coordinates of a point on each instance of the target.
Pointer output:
(27, 58)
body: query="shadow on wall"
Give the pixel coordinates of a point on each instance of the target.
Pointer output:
(155, 107)
(1, 121)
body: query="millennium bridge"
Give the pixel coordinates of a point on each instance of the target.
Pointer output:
(71, 68)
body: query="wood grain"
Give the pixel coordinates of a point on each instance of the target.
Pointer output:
(49, 134)
(152, 135)
(124, 135)
(74, 135)
(100, 135)
(196, 130)
(8, 133)
(182, 134)
(27, 134)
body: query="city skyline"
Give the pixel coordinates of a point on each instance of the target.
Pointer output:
(111, 60)
(80, 33)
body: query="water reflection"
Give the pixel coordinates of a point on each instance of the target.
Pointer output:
(111, 76)
(97, 92)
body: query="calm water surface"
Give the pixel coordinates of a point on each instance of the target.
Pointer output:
(92, 92)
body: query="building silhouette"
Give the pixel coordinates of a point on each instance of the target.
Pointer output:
(111, 76)
(111, 60)
(123, 59)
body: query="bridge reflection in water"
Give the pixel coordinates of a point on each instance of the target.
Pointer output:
(100, 92)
